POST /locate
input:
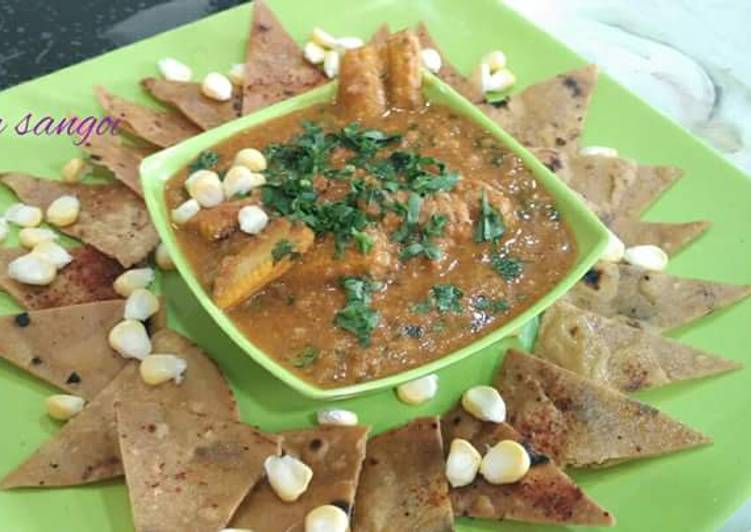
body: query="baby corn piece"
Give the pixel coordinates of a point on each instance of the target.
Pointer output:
(265, 258)
(220, 221)
(405, 70)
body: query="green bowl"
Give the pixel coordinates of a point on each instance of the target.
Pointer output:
(590, 235)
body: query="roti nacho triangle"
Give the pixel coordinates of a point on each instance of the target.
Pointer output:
(335, 455)
(160, 128)
(187, 471)
(549, 114)
(123, 160)
(187, 97)
(671, 237)
(275, 68)
(546, 495)
(112, 219)
(580, 423)
(65, 346)
(617, 355)
(448, 73)
(88, 278)
(651, 299)
(86, 449)
(402, 484)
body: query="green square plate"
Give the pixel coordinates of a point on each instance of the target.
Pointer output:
(694, 490)
(590, 235)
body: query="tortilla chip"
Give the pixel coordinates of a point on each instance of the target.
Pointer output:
(448, 73)
(335, 455)
(65, 346)
(86, 449)
(402, 484)
(651, 299)
(88, 278)
(187, 97)
(617, 355)
(381, 35)
(549, 114)
(187, 471)
(275, 68)
(671, 237)
(160, 128)
(112, 219)
(545, 495)
(123, 160)
(581, 423)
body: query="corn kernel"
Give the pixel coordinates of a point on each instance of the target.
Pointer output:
(31, 236)
(314, 53)
(419, 390)
(337, 416)
(331, 60)
(431, 60)
(237, 74)
(505, 462)
(253, 219)
(462, 464)
(64, 211)
(649, 257)
(174, 70)
(141, 305)
(130, 280)
(485, 403)
(73, 170)
(24, 215)
(217, 87)
(288, 476)
(163, 258)
(130, 339)
(185, 211)
(327, 518)
(156, 369)
(252, 158)
(53, 253)
(32, 269)
(63, 406)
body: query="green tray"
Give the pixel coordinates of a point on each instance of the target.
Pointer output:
(589, 233)
(694, 490)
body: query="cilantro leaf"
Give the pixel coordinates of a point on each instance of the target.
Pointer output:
(205, 160)
(283, 248)
(306, 357)
(490, 226)
(509, 268)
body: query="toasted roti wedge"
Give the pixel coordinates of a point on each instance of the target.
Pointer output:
(617, 355)
(86, 449)
(88, 278)
(671, 237)
(362, 91)
(186, 97)
(546, 495)
(260, 261)
(65, 346)
(402, 484)
(651, 299)
(549, 114)
(160, 128)
(187, 471)
(275, 68)
(112, 219)
(335, 455)
(448, 73)
(121, 158)
(381, 35)
(580, 423)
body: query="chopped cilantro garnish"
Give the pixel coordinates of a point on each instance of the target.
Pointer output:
(443, 298)
(363, 241)
(205, 160)
(509, 268)
(490, 226)
(357, 317)
(491, 306)
(305, 357)
(283, 248)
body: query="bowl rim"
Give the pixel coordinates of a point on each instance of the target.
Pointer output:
(156, 169)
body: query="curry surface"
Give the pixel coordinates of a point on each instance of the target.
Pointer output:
(488, 282)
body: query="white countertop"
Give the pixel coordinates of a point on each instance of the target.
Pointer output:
(689, 59)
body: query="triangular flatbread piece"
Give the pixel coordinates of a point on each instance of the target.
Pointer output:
(88, 278)
(581, 423)
(619, 187)
(546, 495)
(86, 449)
(671, 237)
(275, 68)
(186, 471)
(187, 97)
(123, 160)
(402, 484)
(448, 73)
(617, 355)
(651, 299)
(160, 128)
(65, 346)
(112, 219)
(381, 35)
(335, 455)
(549, 114)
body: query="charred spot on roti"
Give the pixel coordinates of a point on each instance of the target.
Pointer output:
(35, 360)
(22, 319)
(73, 378)
(592, 278)
(573, 85)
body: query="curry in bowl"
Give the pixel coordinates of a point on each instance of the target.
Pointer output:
(371, 235)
